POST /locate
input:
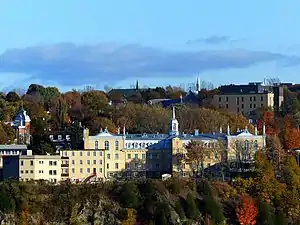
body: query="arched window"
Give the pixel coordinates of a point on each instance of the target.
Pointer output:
(106, 145)
(117, 145)
(96, 144)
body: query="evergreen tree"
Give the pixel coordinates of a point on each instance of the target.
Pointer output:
(179, 210)
(280, 218)
(191, 209)
(129, 195)
(265, 214)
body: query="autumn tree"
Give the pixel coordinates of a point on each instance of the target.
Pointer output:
(246, 212)
(12, 97)
(196, 152)
(290, 135)
(94, 103)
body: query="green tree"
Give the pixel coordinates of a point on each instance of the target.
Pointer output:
(191, 209)
(265, 214)
(179, 209)
(280, 218)
(161, 214)
(12, 97)
(129, 195)
(4, 139)
(94, 103)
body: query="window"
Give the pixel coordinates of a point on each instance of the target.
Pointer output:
(31, 163)
(54, 163)
(73, 153)
(100, 153)
(157, 156)
(22, 163)
(100, 161)
(144, 156)
(73, 162)
(81, 170)
(116, 156)
(94, 153)
(88, 170)
(31, 171)
(226, 99)
(150, 155)
(237, 100)
(107, 165)
(80, 153)
(108, 156)
(50, 163)
(96, 144)
(117, 145)
(226, 106)
(242, 99)
(254, 98)
(242, 106)
(88, 153)
(116, 166)
(250, 106)
(80, 161)
(136, 156)
(50, 172)
(21, 171)
(220, 99)
(250, 99)
(26, 171)
(254, 105)
(94, 161)
(106, 145)
(238, 109)
(88, 162)
(73, 170)
(100, 170)
(129, 156)
(157, 166)
(54, 172)
(261, 105)
(262, 98)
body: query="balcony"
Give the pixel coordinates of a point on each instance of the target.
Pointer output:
(65, 165)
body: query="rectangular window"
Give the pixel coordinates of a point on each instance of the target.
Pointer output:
(116, 166)
(238, 109)
(80, 161)
(250, 99)
(117, 145)
(108, 156)
(54, 172)
(73, 153)
(94, 153)
(129, 156)
(220, 99)
(237, 100)
(50, 163)
(100, 170)
(136, 156)
(50, 172)
(254, 106)
(100, 161)
(157, 156)
(254, 98)
(100, 153)
(80, 153)
(250, 106)
(157, 166)
(116, 156)
(88, 170)
(73, 170)
(143, 156)
(31, 163)
(262, 98)
(136, 165)
(226, 106)
(22, 163)
(88, 162)
(107, 165)
(226, 99)
(54, 163)
(31, 171)
(150, 155)
(94, 161)
(73, 162)
(242, 106)
(81, 170)
(88, 153)
(242, 99)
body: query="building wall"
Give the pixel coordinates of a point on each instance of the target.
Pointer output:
(243, 103)
(33, 167)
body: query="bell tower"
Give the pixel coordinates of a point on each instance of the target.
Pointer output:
(174, 125)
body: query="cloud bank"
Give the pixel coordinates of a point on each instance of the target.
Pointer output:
(213, 40)
(70, 64)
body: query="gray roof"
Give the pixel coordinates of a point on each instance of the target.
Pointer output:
(13, 147)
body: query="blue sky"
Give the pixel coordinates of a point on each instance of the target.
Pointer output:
(73, 43)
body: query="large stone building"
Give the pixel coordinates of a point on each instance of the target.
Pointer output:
(246, 99)
(108, 155)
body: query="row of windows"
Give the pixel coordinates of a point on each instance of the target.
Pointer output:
(106, 145)
(251, 98)
(51, 163)
(51, 172)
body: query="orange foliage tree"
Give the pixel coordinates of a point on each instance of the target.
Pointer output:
(290, 135)
(247, 211)
(268, 118)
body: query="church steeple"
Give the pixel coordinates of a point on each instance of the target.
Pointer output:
(198, 86)
(137, 85)
(174, 125)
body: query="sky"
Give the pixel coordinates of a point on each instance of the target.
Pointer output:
(75, 43)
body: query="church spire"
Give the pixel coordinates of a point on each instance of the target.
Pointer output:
(174, 125)
(173, 113)
(198, 86)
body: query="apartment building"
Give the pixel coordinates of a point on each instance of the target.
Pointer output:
(33, 167)
(246, 99)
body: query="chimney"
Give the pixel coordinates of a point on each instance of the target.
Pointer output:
(196, 132)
